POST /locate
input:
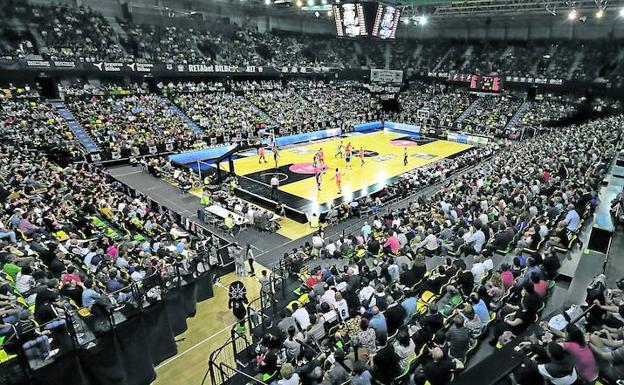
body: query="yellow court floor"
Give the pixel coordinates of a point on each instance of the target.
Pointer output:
(207, 331)
(377, 169)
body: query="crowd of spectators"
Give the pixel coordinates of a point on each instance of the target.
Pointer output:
(572, 349)
(162, 44)
(549, 109)
(75, 33)
(491, 116)
(221, 115)
(132, 122)
(71, 243)
(433, 105)
(81, 33)
(385, 315)
(38, 126)
(85, 89)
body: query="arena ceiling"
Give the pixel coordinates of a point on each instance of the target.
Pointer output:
(451, 8)
(444, 9)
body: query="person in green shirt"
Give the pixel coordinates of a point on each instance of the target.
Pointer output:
(229, 224)
(205, 198)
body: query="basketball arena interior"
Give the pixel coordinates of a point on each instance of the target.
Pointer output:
(311, 192)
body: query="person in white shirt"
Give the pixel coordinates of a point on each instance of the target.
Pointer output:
(366, 293)
(475, 242)
(430, 243)
(342, 307)
(289, 377)
(24, 281)
(330, 248)
(329, 296)
(481, 267)
(301, 316)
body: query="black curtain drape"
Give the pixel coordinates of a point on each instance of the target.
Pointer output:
(175, 310)
(160, 337)
(204, 286)
(66, 370)
(133, 347)
(102, 363)
(128, 353)
(189, 296)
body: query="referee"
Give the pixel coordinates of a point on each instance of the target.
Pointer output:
(274, 186)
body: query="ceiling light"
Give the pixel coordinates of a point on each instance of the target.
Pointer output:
(406, 20)
(330, 13)
(572, 15)
(621, 12)
(317, 14)
(299, 3)
(599, 14)
(423, 20)
(310, 3)
(324, 2)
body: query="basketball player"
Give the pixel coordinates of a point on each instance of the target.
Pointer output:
(348, 156)
(339, 150)
(321, 157)
(315, 160)
(338, 178)
(404, 156)
(319, 178)
(361, 154)
(276, 155)
(348, 148)
(262, 155)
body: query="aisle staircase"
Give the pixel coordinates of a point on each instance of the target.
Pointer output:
(388, 56)
(578, 57)
(468, 111)
(442, 59)
(76, 128)
(188, 121)
(518, 115)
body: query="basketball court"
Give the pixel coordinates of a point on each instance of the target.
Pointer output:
(383, 161)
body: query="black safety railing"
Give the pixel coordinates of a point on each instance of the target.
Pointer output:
(29, 349)
(227, 361)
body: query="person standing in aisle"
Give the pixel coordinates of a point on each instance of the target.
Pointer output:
(251, 259)
(239, 260)
(265, 288)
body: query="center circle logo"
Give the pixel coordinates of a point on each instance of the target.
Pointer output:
(305, 168)
(280, 175)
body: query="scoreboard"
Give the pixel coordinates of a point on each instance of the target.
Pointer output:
(486, 83)
(350, 20)
(366, 19)
(479, 82)
(386, 21)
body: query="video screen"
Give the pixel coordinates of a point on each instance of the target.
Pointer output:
(386, 21)
(350, 20)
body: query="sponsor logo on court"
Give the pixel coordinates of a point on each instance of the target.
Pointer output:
(421, 155)
(384, 158)
(403, 143)
(305, 168)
